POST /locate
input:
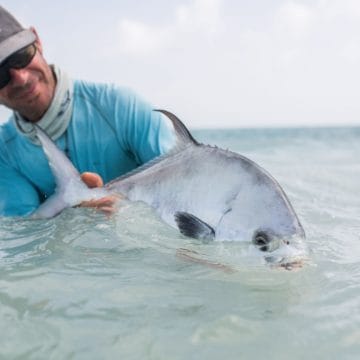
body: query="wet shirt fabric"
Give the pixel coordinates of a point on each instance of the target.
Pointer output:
(112, 131)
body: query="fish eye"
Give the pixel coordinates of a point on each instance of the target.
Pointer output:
(261, 240)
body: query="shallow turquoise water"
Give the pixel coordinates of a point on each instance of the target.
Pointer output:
(82, 286)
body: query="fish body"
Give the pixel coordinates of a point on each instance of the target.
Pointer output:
(207, 192)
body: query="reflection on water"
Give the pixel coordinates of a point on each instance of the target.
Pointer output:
(84, 286)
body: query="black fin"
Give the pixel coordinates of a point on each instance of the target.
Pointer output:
(192, 226)
(180, 129)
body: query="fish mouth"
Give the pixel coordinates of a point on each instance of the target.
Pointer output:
(285, 263)
(290, 255)
(281, 253)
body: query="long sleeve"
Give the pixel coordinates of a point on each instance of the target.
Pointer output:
(145, 132)
(112, 131)
(17, 195)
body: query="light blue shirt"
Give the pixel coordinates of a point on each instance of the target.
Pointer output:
(111, 132)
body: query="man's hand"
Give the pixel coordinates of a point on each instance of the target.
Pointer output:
(106, 204)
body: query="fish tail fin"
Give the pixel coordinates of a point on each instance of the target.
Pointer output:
(66, 176)
(181, 130)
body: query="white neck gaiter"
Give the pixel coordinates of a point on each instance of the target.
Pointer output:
(57, 117)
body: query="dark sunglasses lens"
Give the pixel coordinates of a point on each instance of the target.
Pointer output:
(21, 58)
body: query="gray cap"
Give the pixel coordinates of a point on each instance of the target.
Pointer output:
(13, 36)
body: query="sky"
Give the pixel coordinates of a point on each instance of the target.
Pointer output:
(214, 63)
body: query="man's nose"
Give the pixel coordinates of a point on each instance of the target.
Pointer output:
(19, 77)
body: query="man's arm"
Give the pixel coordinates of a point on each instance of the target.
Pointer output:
(144, 132)
(18, 196)
(150, 135)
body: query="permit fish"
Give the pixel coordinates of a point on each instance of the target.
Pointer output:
(206, 192)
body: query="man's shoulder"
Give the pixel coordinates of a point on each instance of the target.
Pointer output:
(99, 89)
(84, 86)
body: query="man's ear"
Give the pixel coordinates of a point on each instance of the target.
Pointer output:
(37, 41)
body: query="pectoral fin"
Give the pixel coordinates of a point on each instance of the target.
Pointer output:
(191, 226)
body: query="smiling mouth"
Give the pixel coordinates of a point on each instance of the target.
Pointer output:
(26, 92)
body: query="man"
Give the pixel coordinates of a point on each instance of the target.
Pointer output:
(103, 129)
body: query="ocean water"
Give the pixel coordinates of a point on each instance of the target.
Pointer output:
(84, 286)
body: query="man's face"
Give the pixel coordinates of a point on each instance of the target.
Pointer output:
(31, 88)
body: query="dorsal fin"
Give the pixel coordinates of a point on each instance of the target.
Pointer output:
(184, 139)
(181, 130)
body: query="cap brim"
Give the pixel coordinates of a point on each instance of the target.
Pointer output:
(15, 43)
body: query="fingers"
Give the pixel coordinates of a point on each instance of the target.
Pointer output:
(92, 180)
(106, 204)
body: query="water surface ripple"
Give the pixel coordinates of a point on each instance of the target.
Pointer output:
(82, 286)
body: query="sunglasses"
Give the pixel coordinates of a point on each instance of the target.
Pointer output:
(18, 60)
